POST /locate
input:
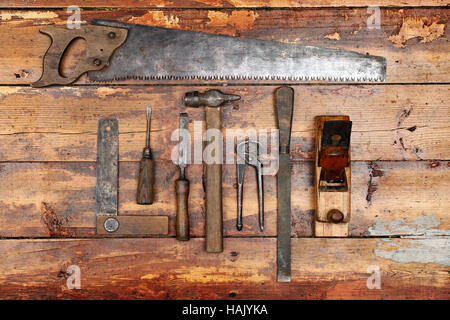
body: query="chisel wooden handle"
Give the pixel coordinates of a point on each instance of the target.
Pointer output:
(145, 191)
(182, 223)
(214, 233)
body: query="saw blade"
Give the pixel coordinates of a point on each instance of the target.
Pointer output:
(153, 53)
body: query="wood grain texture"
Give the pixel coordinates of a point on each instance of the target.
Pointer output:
(134, 226)
(414, 40)
(48, 149)
(388, 199)
(215, 3)
(146, 182)
(213, 182)
(395, 122)
(169, 269)
(182, 226)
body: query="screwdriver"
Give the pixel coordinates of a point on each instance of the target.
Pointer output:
(182, 184)
(146, 169)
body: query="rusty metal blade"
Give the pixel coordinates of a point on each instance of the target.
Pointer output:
(284, 104)
(107, 167)
(154, 53)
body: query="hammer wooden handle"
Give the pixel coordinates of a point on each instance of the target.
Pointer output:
(212, 100)
(182, 222)
(214, 233)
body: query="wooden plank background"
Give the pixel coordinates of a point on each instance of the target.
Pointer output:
(400, 153)
(413, 40)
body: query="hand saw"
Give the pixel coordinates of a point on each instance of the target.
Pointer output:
(119, 51)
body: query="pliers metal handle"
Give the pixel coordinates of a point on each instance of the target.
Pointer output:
(248, 152)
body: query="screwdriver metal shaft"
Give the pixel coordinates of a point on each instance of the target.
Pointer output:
(182, 184)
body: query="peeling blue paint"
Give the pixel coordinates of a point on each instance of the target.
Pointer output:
(420, 250)
(424, 226)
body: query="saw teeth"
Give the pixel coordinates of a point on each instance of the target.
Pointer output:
(246, 77)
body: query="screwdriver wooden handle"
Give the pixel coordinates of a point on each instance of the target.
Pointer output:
(145, 192)
(182, 222)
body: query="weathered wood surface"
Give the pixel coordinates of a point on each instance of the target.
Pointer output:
(169, 269)
(48, 149)
(388, 199)
(214, 3)
(394, 122)
(414, 40)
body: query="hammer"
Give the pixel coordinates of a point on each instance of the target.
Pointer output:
(212, 99)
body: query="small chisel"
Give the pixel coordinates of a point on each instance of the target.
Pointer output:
(182, 184)
(146, 170)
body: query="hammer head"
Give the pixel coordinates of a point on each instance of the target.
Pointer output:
(210, 98)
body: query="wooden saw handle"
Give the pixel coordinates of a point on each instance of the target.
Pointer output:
(100, 44)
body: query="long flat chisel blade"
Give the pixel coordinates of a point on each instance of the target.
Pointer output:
(284, 100)
(153, 53)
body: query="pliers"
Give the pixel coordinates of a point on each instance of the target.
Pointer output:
(248, 154)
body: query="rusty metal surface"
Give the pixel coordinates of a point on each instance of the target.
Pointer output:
(334, 151)
(210, 98)
(154, 53)
(248, 151)
(284, 100)
(107, 167)
(183, 147)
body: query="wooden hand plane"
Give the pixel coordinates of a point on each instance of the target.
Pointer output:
(332, 176)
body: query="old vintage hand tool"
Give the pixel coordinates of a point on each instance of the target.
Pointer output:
(332, 176)
(212, 100)
(108, 222)
(182, 184)
(145, 52)
(284, 101)
(145, 192)
(248, 152)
